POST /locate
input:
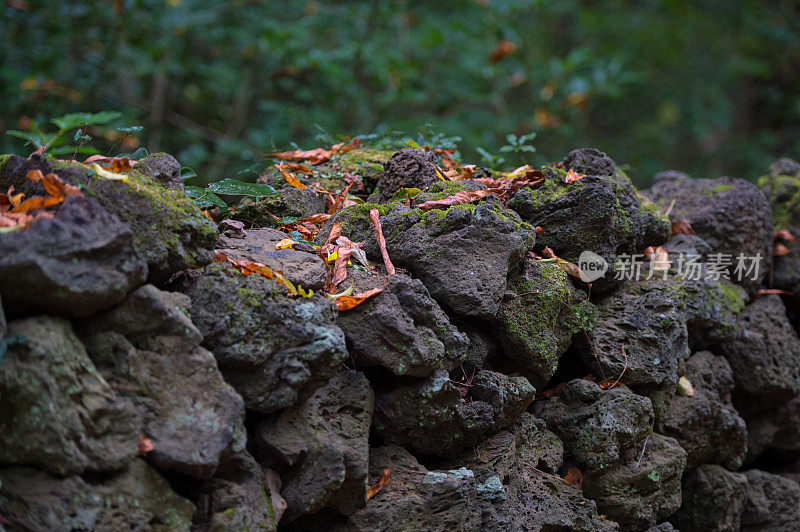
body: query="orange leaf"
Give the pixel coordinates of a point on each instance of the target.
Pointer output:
(348, 302)
(779, 251)
(346, 146)
(785, 234)
(573, 176)
(464, 196)
(682, 227)
(768, 291)
(315, 156)
(35, 175)
(290, 177)
(375, 488)
(145, 446)
(574, 478)
(33, 204)
(113, 164)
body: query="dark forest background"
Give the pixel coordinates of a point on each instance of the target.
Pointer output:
(708, 87)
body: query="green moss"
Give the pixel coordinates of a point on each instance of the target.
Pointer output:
(548, 191)
(3, 160)
(734, 297)
(367, 161)
(721, 188)
(783, 192)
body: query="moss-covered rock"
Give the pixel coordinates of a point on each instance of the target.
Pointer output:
(274, 350)
(601, 212)
(462, 254)
(538, 316)
(782, 188)
(170, 233)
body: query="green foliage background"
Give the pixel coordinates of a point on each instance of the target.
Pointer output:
(708, 87)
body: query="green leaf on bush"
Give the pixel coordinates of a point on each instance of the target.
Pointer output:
(34, 138)
(90, 119)
(187, 173)
(240, 188)
(203, 198)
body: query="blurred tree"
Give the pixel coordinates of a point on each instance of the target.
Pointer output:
(707, 87)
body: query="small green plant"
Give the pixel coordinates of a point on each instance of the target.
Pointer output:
(495, 162)
(519, 145)
(56, 142)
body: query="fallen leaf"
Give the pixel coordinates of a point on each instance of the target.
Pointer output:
(503, 49)
(682, 227)
(374, 215)
(785, 234)
(105, 174)
(286, 243)
(780, 250)
(348, 302)
(464, 196)
(375, 488)
(340, 266)
(145, 446)
(318, 155)
(574, 478)
(573, 176)
(113, 164)
(685, 387)
(570, 268)
(273, 485)
(290, 177)
(768, 291)
(538, 229)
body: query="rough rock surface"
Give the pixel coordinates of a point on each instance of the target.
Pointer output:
(408, 168)
(136, 499)
(773, 503)
(462, 254)
(403, 329)
(782, 188)
(598, 426)
(272, 349)
(642, 489)
(164, 168)
(322, 447)
(713, 500)
(149, 349)
(776, 431)
(170, 232)
(540, 313)
(706, 425)
(732, 215)
(240, 497)
(601, 212)
(78, 262)
(58, 413)
(765, 357)
(258, 245)
(433, 417)
(418, 499)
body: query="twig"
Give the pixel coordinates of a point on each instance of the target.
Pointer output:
(623, 368)
(639, 461)
(374, 215)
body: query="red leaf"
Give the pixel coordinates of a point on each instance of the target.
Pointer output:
(464, 196)
(145, 446)
(574, 478)
(573, 176)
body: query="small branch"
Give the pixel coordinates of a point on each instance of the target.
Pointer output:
(374, 215)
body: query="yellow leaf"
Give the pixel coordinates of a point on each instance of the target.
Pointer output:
(286, 243)
(105, 174)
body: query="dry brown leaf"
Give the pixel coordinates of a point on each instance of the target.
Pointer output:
(375, 488)
(459, 198)
(685, 387)
(144, 446)
(570, 268)
(318, 155)
(682, 227)
(768, 291)
(574, 478)
(113, 164)
(780, 250)
(348, 302)
(785, 234)
(374, 215)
